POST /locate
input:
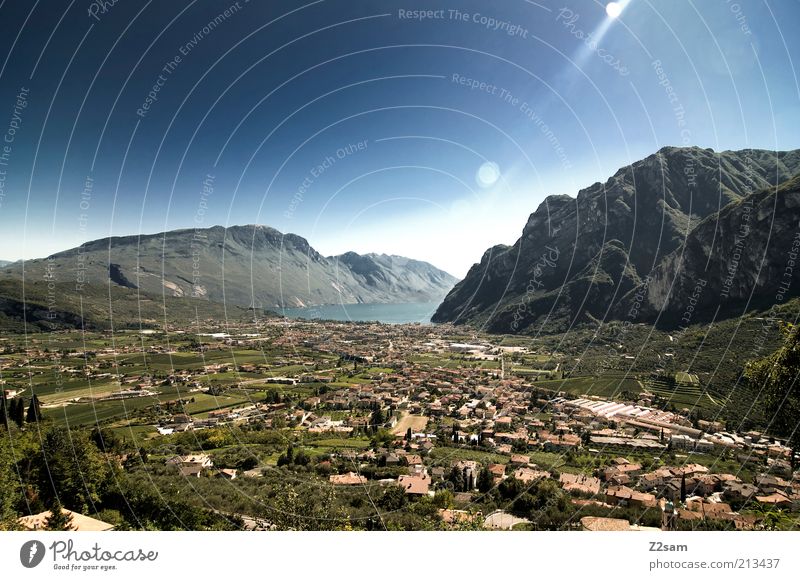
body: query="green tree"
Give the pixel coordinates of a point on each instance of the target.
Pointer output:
(71, 469)
(303, 508)
(485, 480)
(9, 485)
(58, 520)
(393, 499)
(3, 408)
(456, 477)
(34, 411)
(778, 375)
(377, 420)
(19, 412)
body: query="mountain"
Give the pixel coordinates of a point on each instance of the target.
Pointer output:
(4, 263)
(742, 258)
(582, 260)
(247, 266)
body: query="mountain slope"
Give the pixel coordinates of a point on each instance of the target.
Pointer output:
(578, 257)
(240, 265)
(744, 257)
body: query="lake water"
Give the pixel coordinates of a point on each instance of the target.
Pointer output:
(388, 313)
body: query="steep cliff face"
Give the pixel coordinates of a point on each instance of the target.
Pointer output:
(744, 257)
(240, 265)
(578, 257)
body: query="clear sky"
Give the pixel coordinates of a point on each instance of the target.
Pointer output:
(365, 125)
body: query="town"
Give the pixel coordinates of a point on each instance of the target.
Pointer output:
(379, 426)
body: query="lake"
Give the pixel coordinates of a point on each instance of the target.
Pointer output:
(388, 313)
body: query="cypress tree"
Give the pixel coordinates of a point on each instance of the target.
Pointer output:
(485, 480)
(59, 520)
(34, 411)
(19, 412)
(3, 408)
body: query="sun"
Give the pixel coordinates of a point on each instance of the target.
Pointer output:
(613, 9)
(488, 174)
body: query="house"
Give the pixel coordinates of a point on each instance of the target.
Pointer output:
(598, 524)
(625, 496)
(455, 516)
(517, 459)
(226, 473)
(201, 459)
(578, 483)
(624, 469)
(80, 522)
(560, 442)
(349, 478)
(470, 469)
(776, 499)
(528, 475)
(415, 484)
(738, 492)
(498, 470)
(190, 470)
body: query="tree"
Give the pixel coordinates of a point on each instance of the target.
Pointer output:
(393, 499)
(485, 480)
(71, 469)
(58, 520)
(683, 488)
(3, 408)
(408, 434)
(455, 433)
(34, 411)
(10, 484)
(456, 477)
(19, 412)
(777, 376)
(377, 420)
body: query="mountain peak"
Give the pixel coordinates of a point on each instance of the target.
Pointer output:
(582, 254)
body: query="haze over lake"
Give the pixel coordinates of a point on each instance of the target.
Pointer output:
(387, 313)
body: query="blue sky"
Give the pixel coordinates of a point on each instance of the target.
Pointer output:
(364, 125)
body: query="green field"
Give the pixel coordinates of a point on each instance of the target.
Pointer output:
(605, 386)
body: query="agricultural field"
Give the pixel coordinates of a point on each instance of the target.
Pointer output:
(414, 422)
(608, 386)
